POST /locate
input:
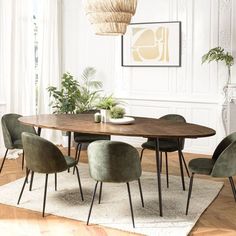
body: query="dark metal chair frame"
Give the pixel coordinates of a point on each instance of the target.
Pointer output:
(129, 194)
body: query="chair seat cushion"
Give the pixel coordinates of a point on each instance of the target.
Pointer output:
(18, 144)
(70, 161)
(88, 138)
(164, 145)
(201, 166)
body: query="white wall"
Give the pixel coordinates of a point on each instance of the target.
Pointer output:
(193, 90)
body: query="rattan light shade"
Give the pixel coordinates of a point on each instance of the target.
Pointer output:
(110, 17)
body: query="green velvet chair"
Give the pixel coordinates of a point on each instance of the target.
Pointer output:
(168, 145)
(12, 130)
(85, 138)
(222, 164)
(44, 157)
(115, 162)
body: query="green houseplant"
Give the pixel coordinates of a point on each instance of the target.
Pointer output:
(117, 112)
(89, 91)
(107, 102)
(64, 100)
(219, 54)
(105, 105)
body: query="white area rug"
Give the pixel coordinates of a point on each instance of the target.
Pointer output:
(114, 210)
(12, 154)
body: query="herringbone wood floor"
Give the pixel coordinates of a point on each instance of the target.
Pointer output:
(218, 219)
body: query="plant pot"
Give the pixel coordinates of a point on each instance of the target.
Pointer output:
(105, 115)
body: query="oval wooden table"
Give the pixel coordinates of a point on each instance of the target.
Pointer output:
(143, 127)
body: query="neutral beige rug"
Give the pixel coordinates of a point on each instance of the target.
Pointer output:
(114, 209)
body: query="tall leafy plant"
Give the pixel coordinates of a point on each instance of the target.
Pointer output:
(219, 54)
(64, 100)
(89, 91)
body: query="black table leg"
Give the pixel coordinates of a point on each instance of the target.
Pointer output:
(69, 141)
(158, 175)
(39, 131)
(181, 164)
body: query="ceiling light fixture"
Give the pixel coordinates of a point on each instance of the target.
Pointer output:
(110, 17)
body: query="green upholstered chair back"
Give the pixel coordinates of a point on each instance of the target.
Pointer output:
(176, 118)
(112, 161)
(12, 129)
(223, 145)
(41, 155)
(225, 157)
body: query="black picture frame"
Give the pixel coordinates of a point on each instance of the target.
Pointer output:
(170, 28)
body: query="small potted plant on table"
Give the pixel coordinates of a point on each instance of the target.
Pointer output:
(105, 105)
(117, 112)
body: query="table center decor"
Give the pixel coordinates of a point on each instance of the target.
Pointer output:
(118, 118)
(105, 105)
(97, 117)
(123, 121)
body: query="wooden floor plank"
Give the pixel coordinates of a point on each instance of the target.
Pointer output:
(218, 219)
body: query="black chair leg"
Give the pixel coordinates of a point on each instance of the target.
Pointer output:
(26, 170)
(185, 165)
(31, 180)
(4, 158)
(141, 192)
(80, 187)
(23, 187)
(76, 150)
(45, 194)
(91, 206)
(167, 171)
(100, 193)
(77, 154)
(130, 203)
(141, 155)
(189, 192)
(55, 181)
(233, 187)
(23, 157)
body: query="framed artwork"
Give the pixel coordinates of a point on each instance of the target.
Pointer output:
(152, 44)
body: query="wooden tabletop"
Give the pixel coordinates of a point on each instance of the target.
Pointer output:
(144, 127)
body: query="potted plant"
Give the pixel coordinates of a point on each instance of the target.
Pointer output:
(117, 112)
(89, 91)
(105, 104)
(64, 100)
(219, 54)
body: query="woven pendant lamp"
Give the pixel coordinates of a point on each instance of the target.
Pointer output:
(110, 17)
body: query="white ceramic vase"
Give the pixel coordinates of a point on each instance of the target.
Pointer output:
(105, 115)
